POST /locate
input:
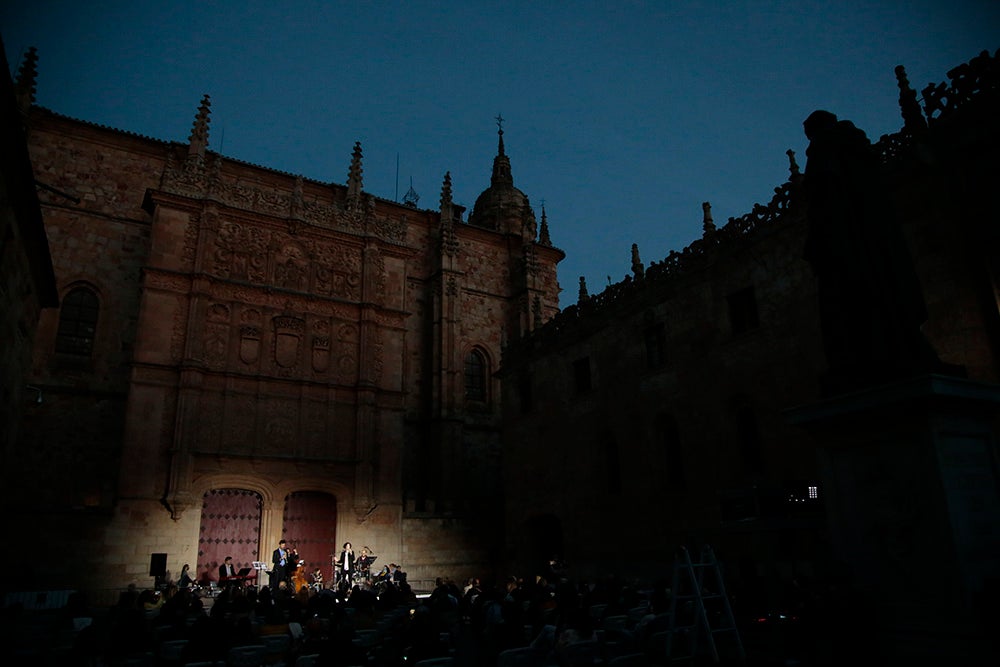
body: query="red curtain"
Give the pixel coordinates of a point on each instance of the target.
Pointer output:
(309, 525)
(230, 526)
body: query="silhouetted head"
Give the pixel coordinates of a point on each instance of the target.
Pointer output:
(818, 122)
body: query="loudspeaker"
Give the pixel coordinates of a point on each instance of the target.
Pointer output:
(158, 565)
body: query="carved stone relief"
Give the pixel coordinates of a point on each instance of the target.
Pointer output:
(373, 369)
(177, 334)
(320, 349)
(338, 271)
(288, 332)
(291, 268)
(241, 253)
(216, 336)
(190, 248)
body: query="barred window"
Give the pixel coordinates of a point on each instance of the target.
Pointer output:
(77, 322)
(475, 376)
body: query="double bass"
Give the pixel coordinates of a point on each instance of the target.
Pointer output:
(298, 577)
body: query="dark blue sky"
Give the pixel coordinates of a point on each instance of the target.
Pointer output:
(622, 116)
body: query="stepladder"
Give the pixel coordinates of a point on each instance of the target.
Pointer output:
(702, 626)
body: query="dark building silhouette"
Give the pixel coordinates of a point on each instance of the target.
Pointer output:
(700, 400)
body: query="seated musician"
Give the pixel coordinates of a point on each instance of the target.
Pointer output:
(226, 571)
(364, 562)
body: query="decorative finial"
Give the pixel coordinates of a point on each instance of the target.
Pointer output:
(295, 205)
(499, 120)
(543, 233)
(707, 223)
(198, 140)
(793, 166)
(913, 119)
(637, 268)
(584, 296)
(354, 173)
(449, 242)
(411, 197)
(446, 190)
(27, 75)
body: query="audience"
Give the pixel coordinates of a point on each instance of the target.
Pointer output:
(473, 624)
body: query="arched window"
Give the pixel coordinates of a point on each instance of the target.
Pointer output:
(77, 322)
(475, 376)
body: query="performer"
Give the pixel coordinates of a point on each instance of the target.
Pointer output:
(317, 582)
(364, 563)
(280, 560)
(226, 570)
(185, 580)
(345, 565)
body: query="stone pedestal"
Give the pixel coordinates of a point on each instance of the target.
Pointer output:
(910, 480)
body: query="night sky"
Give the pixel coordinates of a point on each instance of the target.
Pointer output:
(622, 117)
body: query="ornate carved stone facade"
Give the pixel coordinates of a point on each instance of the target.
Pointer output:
(270, 333)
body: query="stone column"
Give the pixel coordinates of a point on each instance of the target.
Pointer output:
(910, 478)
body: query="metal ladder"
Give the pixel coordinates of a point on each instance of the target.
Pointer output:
(701, 601)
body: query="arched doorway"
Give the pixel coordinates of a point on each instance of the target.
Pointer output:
(230, 526)
(310, 525)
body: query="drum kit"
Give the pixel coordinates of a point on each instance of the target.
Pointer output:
(360, 576)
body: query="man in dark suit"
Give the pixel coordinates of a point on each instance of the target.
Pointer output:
(279, 562)
(226, 571)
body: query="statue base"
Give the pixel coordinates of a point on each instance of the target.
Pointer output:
(910, 480)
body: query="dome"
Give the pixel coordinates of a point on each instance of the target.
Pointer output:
(501, 200)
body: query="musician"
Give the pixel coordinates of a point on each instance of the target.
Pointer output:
(364, 561)
(293, 565)
(280, 560)
(317, 582)
(345, 565)
(226, 570)
(185, 580)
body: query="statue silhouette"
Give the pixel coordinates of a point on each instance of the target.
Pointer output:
(871, 304)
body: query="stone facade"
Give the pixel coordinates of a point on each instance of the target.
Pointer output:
(262, 332)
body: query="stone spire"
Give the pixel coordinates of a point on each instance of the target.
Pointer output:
(27, 75)
(637, 268)
(913, 119)
(501, 163)
(354, 174)
(198, 141)
(584, 296)
(707, 223)
(446, 191)
(543, 234)
(449, 243)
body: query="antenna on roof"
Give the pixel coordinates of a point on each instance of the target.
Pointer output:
(395, 197)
